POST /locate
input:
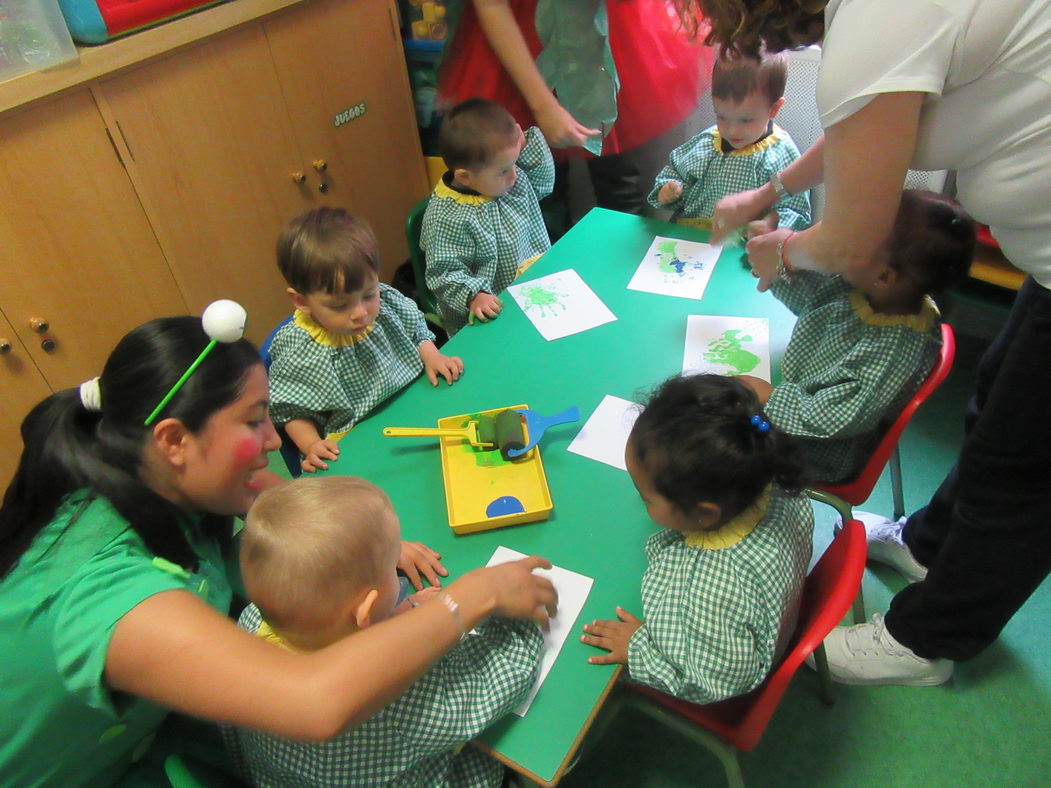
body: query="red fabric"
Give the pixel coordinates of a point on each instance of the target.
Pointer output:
(662, 73)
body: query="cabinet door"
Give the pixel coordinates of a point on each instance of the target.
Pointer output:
(78, 251)
(335, 58)
(21, 387)
(212, 156)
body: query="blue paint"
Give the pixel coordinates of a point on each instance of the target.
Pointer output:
(505, 504)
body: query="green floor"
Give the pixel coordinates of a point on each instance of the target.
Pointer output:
(990, 727)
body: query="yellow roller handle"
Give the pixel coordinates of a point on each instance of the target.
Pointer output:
(468, 433)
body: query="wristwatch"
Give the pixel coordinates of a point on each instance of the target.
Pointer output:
(779, 188)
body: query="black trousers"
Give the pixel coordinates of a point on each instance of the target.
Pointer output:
(985, 536)
(615, 179)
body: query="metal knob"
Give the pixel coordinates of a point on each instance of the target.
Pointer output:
(322, 187)
(5, 346)
(320, 165)
(48, 345)
(39, 324)
(299, 177)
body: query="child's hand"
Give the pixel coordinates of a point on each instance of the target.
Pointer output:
(417, 558)
(762, 226)
(415, 600)
(435, 363)
(485, 307)
(669, 193)
(318, 452)
(612, 636)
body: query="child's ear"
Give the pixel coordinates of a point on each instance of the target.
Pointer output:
(299, 301)
(463, 176)
(363, 610)
(708, 515)
(776, 107)
(887, 278)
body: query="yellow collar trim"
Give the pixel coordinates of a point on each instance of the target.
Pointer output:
(267, 633)
(734, 531)
(697, 222)
(921, 322)
(323, 337)
(441, 190)
(755, 147)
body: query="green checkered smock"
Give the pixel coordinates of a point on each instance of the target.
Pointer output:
(707, 175)
(335, 379)
(418, 740)
(476, 243)
(847, 371)
(720, 606)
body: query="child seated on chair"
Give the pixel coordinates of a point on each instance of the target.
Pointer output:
(483, 225)
(743, 150)
(721, 592)
(864, 342)
(353, 341)
(318, 558)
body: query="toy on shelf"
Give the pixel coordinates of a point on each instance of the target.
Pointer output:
(426, 19)
(485, 487)
(97, 21)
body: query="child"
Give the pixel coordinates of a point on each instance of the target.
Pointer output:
(743, 150)
(483, 225)
(353, 341)
(864, 342)
(318, 559)
(721, 592)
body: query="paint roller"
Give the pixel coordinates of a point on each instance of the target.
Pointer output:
(503, 432)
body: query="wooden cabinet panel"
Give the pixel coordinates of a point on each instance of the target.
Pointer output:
(21, 387)
(77, 248)
(213, 154)
(332, 57)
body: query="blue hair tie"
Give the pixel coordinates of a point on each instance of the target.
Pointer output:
(760, 424)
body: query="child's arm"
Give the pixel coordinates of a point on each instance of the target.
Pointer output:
(436, 363)
(536, 162)
(311, 445)
(415, 324)
(448, 241)
(684, 166)
(800, 290)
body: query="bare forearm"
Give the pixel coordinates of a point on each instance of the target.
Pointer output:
(303, 433)
(505, 37)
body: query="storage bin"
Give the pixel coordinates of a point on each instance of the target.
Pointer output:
(33, 36)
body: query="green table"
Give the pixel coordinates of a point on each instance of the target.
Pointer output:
(599, 524)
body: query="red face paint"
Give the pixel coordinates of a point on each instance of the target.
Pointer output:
(247, 451)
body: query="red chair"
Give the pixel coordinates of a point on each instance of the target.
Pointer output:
(846, 495)
(737, 724)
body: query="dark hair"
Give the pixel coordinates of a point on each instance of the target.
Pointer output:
(327, 250)
(932, 242)
(734, 78)
(745, 26)
(473, 131)
(68, 447)
(696, 441)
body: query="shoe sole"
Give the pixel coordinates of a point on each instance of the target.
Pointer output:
(930, 681)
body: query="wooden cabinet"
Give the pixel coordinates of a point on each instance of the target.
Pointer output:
(214, 135)
(21, 387)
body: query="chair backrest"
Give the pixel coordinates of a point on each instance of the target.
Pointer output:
(413, 226)
(857, 491)
(828, 594)
(289, 452)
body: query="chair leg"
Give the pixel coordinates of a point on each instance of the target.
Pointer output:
(859, 608)
(895, 482)
(726, 754)
(823, 675)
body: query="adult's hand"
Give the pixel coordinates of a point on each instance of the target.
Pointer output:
(561, 129)
(737, 210)
(762, 256)
(512, 590)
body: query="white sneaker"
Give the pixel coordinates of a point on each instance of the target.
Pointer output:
(869, 654)
(886, 545)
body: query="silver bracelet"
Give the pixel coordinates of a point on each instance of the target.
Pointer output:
(453, 607)
(779, 187)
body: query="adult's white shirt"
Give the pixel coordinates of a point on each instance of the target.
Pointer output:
(986, 67)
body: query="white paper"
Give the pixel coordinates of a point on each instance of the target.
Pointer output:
(676, 268)
(560, 304)
(727, 346)
(573, 590)
(605, 433)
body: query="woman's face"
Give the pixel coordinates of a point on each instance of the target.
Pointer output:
(219, 464)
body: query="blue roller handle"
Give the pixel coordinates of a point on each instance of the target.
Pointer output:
(536, 424)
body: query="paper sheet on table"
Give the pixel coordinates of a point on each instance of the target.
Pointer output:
(605, 433)
(560, 304)
(676, 268)
(727, 345)
(573, 590)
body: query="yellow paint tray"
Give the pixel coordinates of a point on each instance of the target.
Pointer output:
(483, 490)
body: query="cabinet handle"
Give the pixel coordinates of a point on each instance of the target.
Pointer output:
(48, 345)
(322, 187)
(5, 346)
(39, 324)
(299, 177)
(320, 165)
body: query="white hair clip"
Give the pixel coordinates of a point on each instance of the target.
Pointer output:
(91, 395)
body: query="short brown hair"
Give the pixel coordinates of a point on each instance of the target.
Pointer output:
(734, 78)
(932, 242)
(473, 131)
(311, 544)
(327, 250)
(744, 26)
